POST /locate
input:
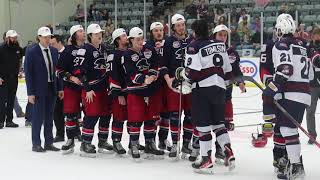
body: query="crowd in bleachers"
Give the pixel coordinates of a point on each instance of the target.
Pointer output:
(245, 17)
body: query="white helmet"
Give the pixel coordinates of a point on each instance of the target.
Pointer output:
(177, 18)
(117, 33)
(221, 28)
(156, 25)
(285, 24)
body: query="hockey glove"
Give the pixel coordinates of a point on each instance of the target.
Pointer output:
(271, 90)
(229, 126)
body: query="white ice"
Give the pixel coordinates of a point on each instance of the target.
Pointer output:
(17, 161)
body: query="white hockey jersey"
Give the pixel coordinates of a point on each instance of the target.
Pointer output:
(207, 62)
(291, 62)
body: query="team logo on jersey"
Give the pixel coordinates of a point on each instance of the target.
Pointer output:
(147, 53)
(176, 44)
(99, 64)
(143, 64)
(189, 61)
(134, 57)
(110, 57)
(95, 54)
(74, 52)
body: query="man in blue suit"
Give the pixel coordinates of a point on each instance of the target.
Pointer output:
(42, 88)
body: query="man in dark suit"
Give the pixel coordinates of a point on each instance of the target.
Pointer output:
(42, 85)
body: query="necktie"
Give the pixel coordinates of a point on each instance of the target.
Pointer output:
(50, 64)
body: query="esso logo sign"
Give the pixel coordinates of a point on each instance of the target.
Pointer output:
(248, 68)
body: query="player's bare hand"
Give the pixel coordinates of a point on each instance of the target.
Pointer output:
(242, 87)
(89, 96)
(32, 99)
(158, 44)
(148, 80)
(61, 95)
(1, 81)
(122, 100)
(75, 80)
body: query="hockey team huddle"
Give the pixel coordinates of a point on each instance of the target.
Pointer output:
(150, 84)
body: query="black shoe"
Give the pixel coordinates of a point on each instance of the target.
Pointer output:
(21, 115)
(51, 148)
(1, 125)
(38, 148)
(58, 139)
(12, 125)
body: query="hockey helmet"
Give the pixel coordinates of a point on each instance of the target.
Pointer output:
(259, 140)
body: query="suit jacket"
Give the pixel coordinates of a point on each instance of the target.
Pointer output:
(36, 72)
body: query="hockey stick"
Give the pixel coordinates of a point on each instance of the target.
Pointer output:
(250, 79)
(248, 125)
(243, 113)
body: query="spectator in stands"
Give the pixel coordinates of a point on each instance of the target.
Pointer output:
(191, 10)
(210, 18)
(302, 33)
(283, 9)
(234, 22)
(105, 15)
(235, 38)
(256, 32)
(243, 14)
(109, 28)
(243, 30)
(222, 20)
(219, 13)
(235, 14)
(79, 14)
(292, 9)
(202, 9)
(256, 25)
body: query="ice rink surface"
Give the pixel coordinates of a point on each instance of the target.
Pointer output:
(17, 161)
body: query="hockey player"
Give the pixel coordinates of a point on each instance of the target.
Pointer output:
(290, 87)
(207, 64)
(157, 41)
(117, 86)
(220, 33)
(174, 52)
(66, 69)
(141, 68)
(94, 67)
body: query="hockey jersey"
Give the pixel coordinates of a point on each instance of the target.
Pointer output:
(266, 62)
(314, 53)
(68, 65)
(174, 53)
(207, 63)
(94, 67)
(293, 70)
(117, 75)
(137, 66)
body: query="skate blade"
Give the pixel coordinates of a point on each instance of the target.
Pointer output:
(152, 157)
(104, 151)
(204, 171)
(232, 165)
(121, 155)
(219, 162)
(66, 152)
(86, 155)
(185, 156)
(137, 160)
